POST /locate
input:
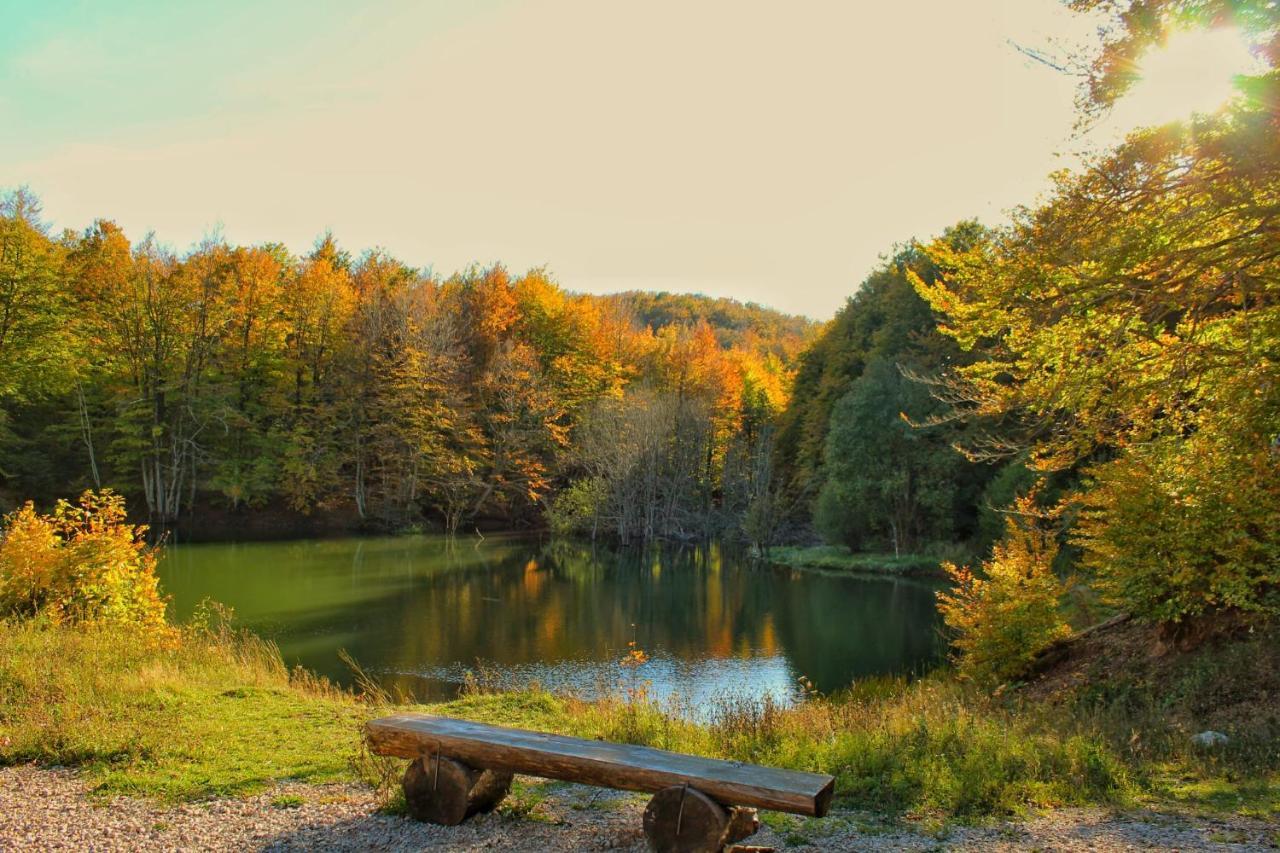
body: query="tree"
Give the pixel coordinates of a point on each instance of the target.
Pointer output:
(317, 304)
(158, 321)
(246, 392)
(1002, 618)
(246, 377)
(845, 482)
(887, 480)
(33, 304)
(1130, 28)
(1129, 327)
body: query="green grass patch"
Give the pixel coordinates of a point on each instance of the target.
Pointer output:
(198, 715)
(1213, 796)
(840, 558)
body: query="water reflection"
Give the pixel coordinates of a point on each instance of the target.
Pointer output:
(418, 612)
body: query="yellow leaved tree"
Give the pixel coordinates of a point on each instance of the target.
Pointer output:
(1006, 614)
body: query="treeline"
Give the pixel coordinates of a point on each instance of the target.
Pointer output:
(242, 377)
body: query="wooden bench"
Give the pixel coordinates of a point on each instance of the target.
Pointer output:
(459, 768)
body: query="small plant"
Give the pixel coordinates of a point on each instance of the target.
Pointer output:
(288, 801)
(636, 691)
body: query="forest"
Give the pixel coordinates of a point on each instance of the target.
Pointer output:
(243, 379)
(231, 381)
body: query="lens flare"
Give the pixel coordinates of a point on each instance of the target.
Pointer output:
(1194, 72)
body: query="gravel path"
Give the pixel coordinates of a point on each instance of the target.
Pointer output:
(49, 809)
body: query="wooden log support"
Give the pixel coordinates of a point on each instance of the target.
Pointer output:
(681, 819)
(441, 790)
(592, 762)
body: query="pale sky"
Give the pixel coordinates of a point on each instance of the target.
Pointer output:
(766, 151)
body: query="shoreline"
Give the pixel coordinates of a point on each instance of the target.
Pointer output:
(837, 558)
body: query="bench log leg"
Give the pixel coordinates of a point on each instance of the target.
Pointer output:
(442, 790)
(681, 819)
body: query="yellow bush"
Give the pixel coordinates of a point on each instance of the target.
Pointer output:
(1004, 617)
(81, 563)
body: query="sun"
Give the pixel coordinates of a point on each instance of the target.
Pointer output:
(1195, 71)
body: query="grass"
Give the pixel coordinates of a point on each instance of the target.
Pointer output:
(840, 558)
(217, 713)
(200, 715)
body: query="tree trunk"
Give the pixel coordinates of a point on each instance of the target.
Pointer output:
(681, 819)
(444, 791)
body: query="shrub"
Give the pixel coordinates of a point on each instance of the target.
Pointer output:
(1184, 526)
(1003, 618)
(576, 509)
(81, 563)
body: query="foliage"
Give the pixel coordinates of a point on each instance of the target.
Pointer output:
(887, 481)
(1004, 616)
(82, 563)
(576, 510)
(1131, 324)
(1012, 480)
(843, 450)
(33, 309)
(1129, 28)
(735, 323)
(1178, 527)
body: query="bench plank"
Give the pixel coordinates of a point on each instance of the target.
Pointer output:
(594, 762)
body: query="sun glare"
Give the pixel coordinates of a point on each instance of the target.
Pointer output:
(1195, 72)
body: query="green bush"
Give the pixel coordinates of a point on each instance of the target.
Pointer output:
(575, 509)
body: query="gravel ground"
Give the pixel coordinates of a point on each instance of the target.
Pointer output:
(49, 809)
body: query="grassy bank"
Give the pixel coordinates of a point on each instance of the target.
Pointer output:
(840, 558)
(215, 713)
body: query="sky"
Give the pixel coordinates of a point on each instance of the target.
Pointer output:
(772, 152)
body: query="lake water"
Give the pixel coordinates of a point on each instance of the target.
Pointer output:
(418, 612)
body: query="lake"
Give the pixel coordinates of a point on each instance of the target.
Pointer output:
(418, 612)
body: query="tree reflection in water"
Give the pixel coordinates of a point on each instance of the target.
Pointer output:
(418, 612)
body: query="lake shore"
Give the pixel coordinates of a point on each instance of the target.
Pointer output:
(840, 558)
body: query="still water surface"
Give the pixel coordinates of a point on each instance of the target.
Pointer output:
(418, 612)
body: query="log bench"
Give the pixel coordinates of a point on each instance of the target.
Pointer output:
(459, 768)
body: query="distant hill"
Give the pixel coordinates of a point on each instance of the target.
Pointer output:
(734, 322)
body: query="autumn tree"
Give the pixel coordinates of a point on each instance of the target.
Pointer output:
(1129, 328)
(246, 391)
(33, 304)
(317, 303)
